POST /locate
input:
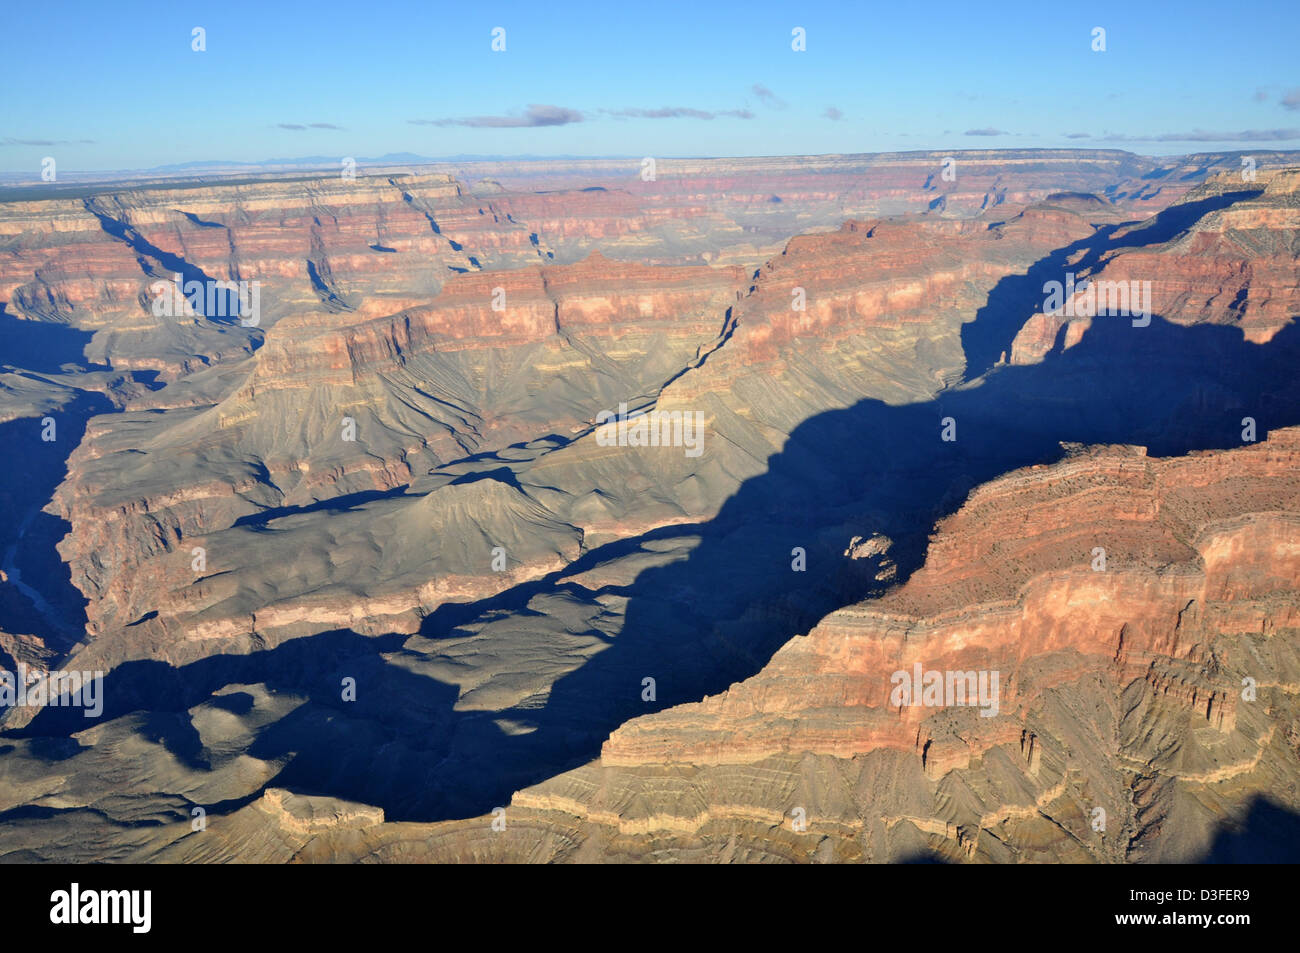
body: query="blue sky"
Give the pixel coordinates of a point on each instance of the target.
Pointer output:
(117, 86)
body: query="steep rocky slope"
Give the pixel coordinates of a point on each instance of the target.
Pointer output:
(523, 356)
(1121, 689)
(1158, 690)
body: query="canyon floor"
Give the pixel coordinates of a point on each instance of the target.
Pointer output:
(384, 573)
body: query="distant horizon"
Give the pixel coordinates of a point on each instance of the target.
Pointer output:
(320, 163)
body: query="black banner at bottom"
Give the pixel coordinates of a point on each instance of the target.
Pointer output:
(212, 904)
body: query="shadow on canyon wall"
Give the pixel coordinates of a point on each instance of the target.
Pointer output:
(1016, 297)
(700, 624)
(40, 350)
(704, 622)
(1269, 834)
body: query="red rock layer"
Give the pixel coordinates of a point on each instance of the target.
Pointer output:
(1194, 547)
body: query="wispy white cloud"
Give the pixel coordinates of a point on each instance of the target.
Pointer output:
(537, 114)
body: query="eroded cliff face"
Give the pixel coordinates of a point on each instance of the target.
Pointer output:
(398, 478)
(338, 404)
(1234, 265)
(1157, 688)
(1142, 703)
(524, 356)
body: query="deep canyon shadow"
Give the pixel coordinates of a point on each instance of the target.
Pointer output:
(699, 624)
(34, 470)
